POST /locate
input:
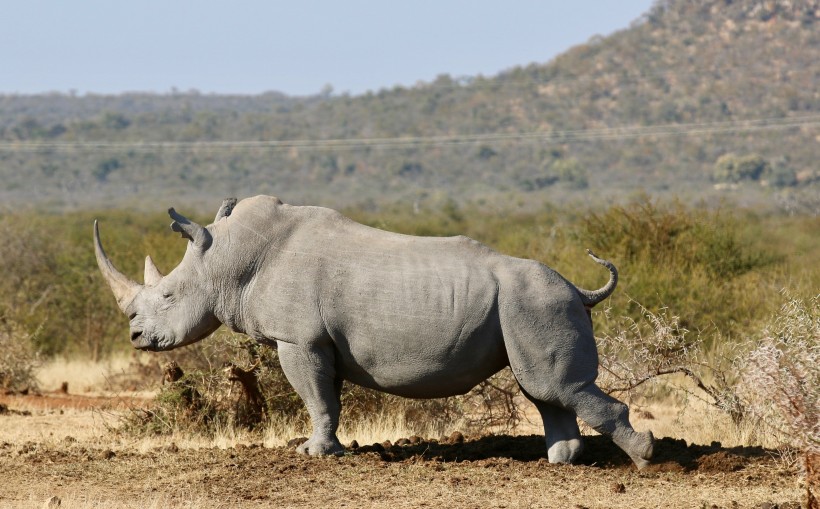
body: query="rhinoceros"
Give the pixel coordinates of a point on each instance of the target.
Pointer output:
(419, 317)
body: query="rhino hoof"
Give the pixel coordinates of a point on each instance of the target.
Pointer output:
(645, 450)
(321, 447)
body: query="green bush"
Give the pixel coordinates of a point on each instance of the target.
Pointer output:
(704, 265)
(734, 168)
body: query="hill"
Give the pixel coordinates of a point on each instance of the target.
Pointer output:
(697, 99)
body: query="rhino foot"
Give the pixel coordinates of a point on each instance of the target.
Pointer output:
(639, 446)
(565, 451)
(321, 446)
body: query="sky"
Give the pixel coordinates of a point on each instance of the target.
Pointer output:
(297, 47)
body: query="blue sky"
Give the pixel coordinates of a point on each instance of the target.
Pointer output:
(295, 47)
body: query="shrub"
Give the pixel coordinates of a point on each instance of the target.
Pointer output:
(641, 351)
(697, 262)
(781, 379)
(734, 168)
(18, 358)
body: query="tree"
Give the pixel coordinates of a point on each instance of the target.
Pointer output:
(733, 168)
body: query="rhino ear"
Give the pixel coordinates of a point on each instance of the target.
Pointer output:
(199, 236)
(152, 273)
(226, 208)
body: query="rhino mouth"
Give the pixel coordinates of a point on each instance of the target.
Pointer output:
(140, 342)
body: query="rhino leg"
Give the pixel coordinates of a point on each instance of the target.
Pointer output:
(609, 416)
(564, 442)
(552, 353)
(311, 372)
(603, 413)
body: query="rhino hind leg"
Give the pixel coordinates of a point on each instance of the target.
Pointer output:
(609, 416)
(560, 400)
(564, 442)
(311, 373)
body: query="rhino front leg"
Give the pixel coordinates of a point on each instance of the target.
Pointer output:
(311, 372)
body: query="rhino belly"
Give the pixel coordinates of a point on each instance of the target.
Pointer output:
(423, 364)
(428, 332)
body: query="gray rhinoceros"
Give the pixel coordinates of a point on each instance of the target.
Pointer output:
(420, 317)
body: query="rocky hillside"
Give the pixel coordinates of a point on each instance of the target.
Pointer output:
(697, 99)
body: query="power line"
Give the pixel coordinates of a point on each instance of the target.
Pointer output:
(554, 136)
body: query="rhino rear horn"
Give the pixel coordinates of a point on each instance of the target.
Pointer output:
(152, 274)
(124, 289)
(225, 210)
(198, 235)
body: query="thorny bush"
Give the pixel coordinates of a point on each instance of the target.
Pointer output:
(781, 382)
(781, 379)
(639, 352)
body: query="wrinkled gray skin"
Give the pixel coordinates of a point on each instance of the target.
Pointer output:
(419, 317)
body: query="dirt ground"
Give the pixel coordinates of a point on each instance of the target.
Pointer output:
(101, 469)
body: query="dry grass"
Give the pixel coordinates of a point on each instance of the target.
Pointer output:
(689, 418)
(85, 375)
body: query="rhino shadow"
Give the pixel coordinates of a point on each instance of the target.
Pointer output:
(671, 455)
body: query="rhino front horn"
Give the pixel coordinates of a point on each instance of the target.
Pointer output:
(124, 289)
(152, 273)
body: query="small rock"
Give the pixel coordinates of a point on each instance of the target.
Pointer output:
(387, 444)
(415, 439)
(402, 442)
(353, 445)
(617, 487)
(456, 438)
(52, 502)
(107, 454)
(378, 447)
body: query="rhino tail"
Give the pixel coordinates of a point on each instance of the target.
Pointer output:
(592, 297)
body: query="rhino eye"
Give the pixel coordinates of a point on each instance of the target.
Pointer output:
(167, 295)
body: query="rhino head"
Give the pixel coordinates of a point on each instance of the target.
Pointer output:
(170, 311)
